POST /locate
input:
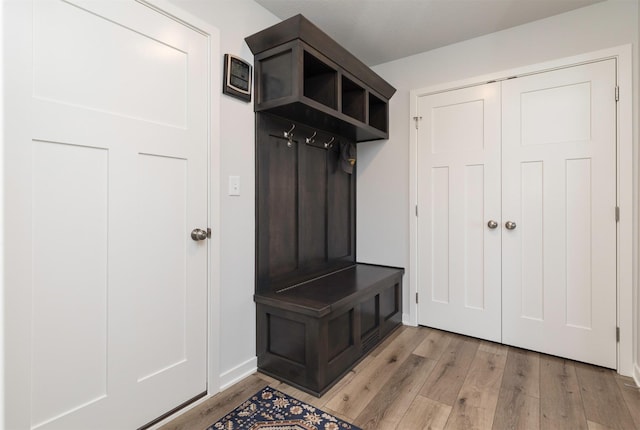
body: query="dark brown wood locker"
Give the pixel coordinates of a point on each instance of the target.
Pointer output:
(318, 310)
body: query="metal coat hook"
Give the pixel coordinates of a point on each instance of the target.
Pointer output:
(329, 144)
(289, 135)
(311, 139)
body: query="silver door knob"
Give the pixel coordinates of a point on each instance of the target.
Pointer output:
(510, 225)
(198, 234)
(492, 224)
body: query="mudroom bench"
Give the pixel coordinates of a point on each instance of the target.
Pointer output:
(318, 310)
(313, 333)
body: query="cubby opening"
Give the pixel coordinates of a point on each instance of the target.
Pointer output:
(378, 113)
(319, 81)
(353, 99)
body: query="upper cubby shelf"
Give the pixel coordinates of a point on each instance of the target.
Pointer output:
(304, 75)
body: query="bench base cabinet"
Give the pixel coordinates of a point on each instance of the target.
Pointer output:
(311, 344)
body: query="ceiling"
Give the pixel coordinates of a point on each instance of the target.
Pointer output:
(378, 31)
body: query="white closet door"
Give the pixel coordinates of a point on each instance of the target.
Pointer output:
(108, 159)
(559, 187)
(458, 194)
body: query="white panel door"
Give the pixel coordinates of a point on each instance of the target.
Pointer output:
(555, 291)
(108, 292)
(458, 194)
(559, 187)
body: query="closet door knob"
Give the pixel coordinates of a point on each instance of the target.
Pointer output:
(492, 224)
(198, 234)
(510, 225)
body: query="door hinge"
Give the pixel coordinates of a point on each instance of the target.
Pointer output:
(617, 334)
(617, 93)
(417, 119)
(416, 297)
(617, 213)
(416, 210)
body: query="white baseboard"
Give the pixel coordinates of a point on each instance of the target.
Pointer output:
(406, 320)
(238, 373)
(636, 374)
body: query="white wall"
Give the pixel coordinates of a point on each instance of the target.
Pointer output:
(235, 19)
(383, 167)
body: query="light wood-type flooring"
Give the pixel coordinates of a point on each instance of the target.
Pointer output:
(421, 378)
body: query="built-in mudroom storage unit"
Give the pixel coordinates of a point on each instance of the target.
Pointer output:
(318, 310)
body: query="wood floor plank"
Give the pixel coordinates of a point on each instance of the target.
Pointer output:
(320, 402)
(478, 396)
(345, 380)
(560, 401)
(388, 340)
(388, 407)
(431, 379)
(595, 426)
(210, 411)
(434, 345)
(469, 417)
(631, 395)
(447, 377)
(494, 348)
(516, 411)
(522, 372)
(482, 384)
(354, 397)
(518, 404)
(601, 397)
(425, 414)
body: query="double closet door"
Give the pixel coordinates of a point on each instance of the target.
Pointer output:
(517, 225)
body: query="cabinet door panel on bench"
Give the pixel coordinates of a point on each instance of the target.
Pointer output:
(286, 338)
(283, 345)
(340, 334)
(390, 308)
(368, 315)
(311, 358)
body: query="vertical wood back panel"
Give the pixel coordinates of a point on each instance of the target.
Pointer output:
(305, 220)
(341, 210)
(313, 203)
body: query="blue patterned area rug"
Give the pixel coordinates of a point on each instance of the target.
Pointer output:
(270, 409)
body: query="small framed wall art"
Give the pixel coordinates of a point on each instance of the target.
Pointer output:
(237, 77)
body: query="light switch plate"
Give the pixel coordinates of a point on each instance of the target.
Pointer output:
(234, 185)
